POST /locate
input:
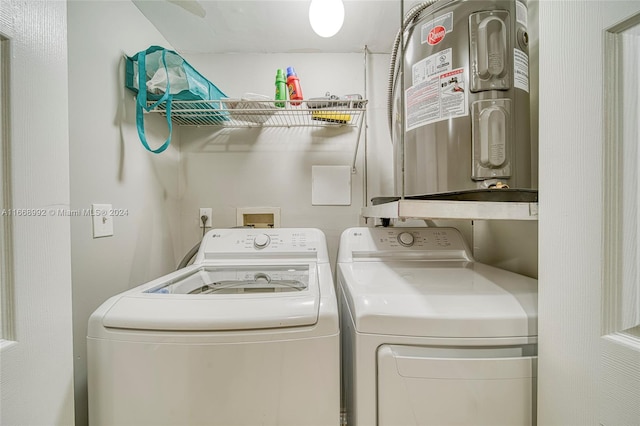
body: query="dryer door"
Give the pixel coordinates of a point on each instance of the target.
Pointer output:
(456, 386)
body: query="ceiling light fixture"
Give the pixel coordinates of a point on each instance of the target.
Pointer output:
(326, 17)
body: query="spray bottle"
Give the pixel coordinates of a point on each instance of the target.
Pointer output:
(281, 88)
(293, 84)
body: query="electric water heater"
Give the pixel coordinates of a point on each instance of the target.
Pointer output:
(459, 98)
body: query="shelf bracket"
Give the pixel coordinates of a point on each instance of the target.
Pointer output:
(355, 151)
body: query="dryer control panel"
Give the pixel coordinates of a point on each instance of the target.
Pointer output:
(427, 243)
(285, 243)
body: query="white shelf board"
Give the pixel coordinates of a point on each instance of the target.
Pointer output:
(439, 209)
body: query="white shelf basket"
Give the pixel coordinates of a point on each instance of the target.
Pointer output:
(243, 113)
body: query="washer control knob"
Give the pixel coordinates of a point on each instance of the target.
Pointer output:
(406, 239)
(261, 241)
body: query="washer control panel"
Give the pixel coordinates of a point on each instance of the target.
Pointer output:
(426, 242)
(276, 242)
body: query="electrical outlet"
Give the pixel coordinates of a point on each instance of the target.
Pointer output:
(205, 212)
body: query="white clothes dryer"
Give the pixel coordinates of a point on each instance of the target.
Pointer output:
(431, 337)
(246, 335)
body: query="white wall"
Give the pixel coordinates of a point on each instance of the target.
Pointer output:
(36, 376)
(379, 150)
(230, 168)
(109, 165)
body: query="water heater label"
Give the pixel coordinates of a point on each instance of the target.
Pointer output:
(520, 70)
(434, 31)
(437, 98)
(431, 65)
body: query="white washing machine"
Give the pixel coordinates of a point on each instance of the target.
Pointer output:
(430, 337)
(246, 335)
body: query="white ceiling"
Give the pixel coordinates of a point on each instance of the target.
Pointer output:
(270, 26)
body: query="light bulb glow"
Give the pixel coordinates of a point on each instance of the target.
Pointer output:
(326, 16)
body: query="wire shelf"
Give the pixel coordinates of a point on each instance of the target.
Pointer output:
(242, 113)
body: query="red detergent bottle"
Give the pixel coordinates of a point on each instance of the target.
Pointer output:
(293, 86)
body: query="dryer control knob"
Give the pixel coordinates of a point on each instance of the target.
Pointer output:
(261, 241)
(406, 239)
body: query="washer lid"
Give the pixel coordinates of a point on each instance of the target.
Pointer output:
(439, 299)
(221, 298)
